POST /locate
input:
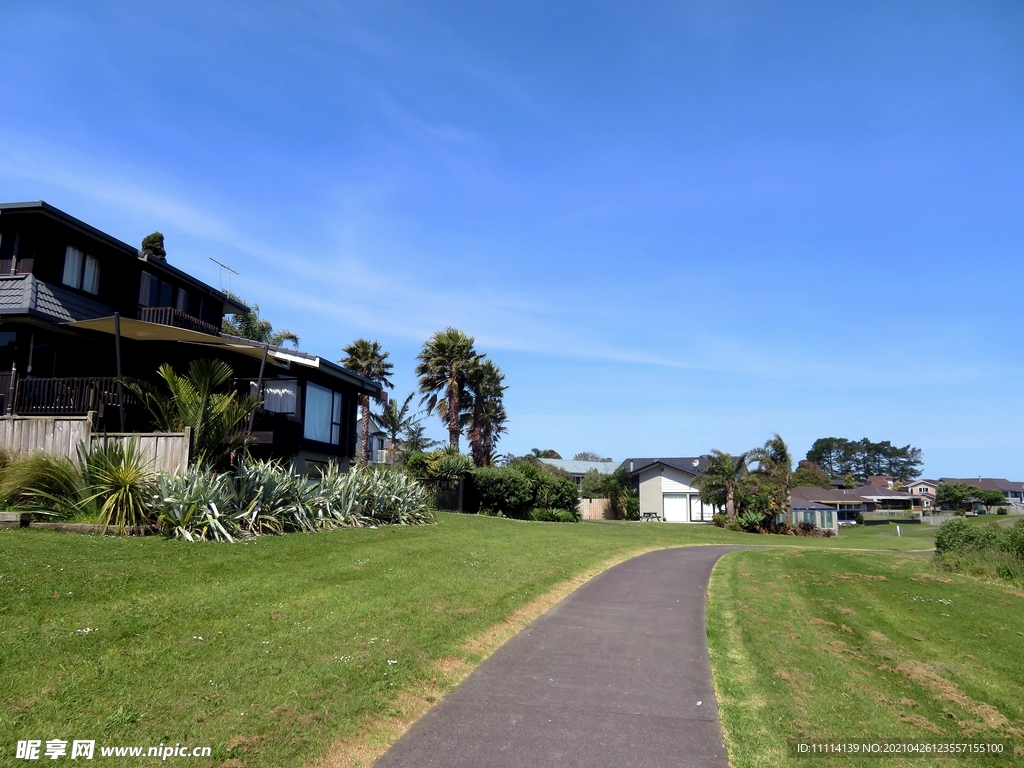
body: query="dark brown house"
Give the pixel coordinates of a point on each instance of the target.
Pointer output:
(63, 283)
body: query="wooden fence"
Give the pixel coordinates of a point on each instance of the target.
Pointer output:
(596, 509)
(61, 436)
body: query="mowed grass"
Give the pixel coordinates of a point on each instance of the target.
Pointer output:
(100, 637)
(297, 631)
(857, 646)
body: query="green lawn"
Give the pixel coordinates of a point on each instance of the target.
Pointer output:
(841, 645)
(296, 630)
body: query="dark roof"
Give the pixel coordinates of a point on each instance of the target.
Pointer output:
(813, 493)
(798, 503)
(986, 483)
(872, 491)
(693, 465)
(44, 208)
(309, 360)
(25, 295)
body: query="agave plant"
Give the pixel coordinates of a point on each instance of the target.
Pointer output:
(391, 497)
(189, 506)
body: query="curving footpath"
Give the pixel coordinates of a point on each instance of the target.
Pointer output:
(617, 674)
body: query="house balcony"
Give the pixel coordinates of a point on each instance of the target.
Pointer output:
(66, 396)
(176, 319)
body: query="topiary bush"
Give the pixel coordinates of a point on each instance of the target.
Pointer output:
(1002, 511)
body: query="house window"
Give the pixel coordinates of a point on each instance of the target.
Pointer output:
(826, 518)
(278, 396)
(182, 303)
(81, 271)
(323, 415)
(148, 287)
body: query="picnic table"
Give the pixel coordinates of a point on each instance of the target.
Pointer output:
(650, 517)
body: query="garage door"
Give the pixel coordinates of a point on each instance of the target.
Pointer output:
(675, 507)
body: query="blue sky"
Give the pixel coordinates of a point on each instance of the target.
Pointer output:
(676, 227)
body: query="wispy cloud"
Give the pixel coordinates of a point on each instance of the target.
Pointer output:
(359, 292)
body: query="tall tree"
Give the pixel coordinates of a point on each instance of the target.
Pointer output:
(249, 325)
(810, 474)
(485, 408)
(863, 458)
(416, 441)
(443, 371)
(547, 453)
(588, 456)
(774, 470)
(723, 478)
(371, 362)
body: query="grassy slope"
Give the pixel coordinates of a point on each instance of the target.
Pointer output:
(833, 644)
(297, 630)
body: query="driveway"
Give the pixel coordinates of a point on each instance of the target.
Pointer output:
(617, 674)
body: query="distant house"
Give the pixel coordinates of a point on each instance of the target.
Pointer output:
(379, 445)
(850, 502)
(820, 515)
(1013, 491)
(667, 489)
(923, 492)
(578, 469)
(844, 501)
(72, 297)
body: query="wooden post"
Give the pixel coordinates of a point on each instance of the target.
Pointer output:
(259, 385)
(11, 388)
(117, 352)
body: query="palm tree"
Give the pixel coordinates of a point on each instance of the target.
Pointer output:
(249, 325)
(443, 370)
(774, 470)
(722, 477)
(491, 430)
(415, 441)
(485, 410)
(368, 360)
(395, 419)
(194, 402)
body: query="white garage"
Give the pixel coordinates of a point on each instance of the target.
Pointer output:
(667, 489)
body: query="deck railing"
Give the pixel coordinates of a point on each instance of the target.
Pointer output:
(66, 396)
(177, 319)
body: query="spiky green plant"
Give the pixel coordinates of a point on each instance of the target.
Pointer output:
(189, 506)
(46, 485)
(121, 480)
(196, 401)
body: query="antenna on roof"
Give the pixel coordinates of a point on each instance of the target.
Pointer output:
(229, 269)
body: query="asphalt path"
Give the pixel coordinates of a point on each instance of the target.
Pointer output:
(617, 674)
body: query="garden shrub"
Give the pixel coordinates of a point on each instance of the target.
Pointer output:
(504, 490)
(1013, 540)
(719, 519)
(417, 464)
(959, 536)
(517, 491)
(1002, 511)
(545, 515)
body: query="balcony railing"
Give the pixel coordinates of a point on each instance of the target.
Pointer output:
(66, 396)
(177, 319)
